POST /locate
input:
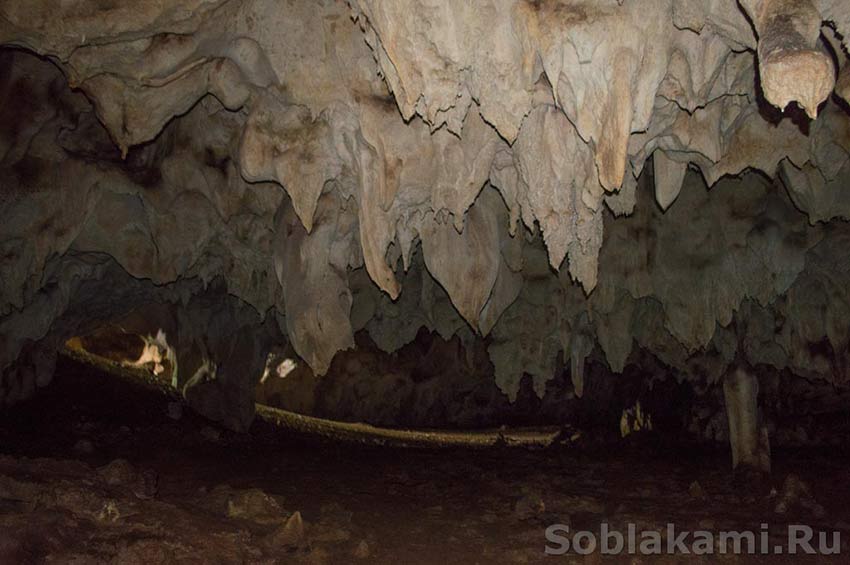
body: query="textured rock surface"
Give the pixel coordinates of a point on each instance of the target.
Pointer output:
(532, 171)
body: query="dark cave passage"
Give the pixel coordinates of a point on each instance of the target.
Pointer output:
(116, 474)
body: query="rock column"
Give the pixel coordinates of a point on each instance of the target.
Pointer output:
(747, 436)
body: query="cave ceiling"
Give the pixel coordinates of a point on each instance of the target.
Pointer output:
(563, 178)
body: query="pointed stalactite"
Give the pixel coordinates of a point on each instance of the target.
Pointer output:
(611, 148)
(465, 263)
(669, 176)
(283, 143)
(316, 297)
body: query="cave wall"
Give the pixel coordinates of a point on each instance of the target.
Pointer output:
(565, 179)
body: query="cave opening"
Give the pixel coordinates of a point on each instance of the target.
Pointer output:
(371, 281)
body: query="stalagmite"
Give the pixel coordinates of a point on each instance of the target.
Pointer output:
(747, 436)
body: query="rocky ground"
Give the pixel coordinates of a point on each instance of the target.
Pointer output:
(97, 470)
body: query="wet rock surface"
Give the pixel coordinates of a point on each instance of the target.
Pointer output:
(270, 497)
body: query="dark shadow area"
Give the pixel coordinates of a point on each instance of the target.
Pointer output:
(98, 469)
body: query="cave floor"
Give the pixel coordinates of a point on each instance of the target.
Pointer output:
(93, 470)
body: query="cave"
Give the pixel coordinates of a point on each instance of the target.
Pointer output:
(424, 281)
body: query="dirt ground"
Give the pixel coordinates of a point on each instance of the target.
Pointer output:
(97, 470)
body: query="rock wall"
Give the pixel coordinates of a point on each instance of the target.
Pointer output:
(565, 179)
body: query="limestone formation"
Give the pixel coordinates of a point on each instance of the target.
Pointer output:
(747, 436)
(566, 180)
